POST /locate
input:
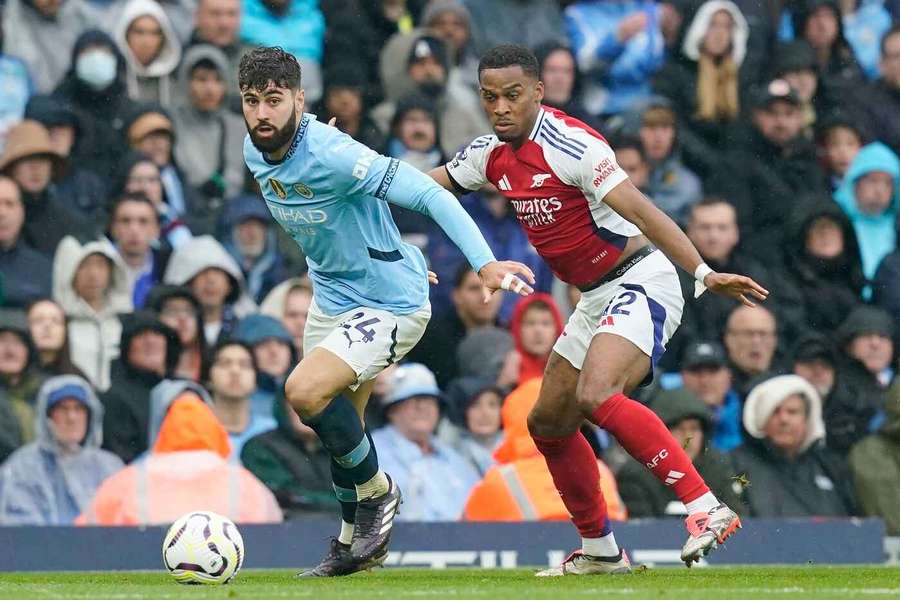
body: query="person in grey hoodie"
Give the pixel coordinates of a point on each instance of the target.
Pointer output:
(152, 51)
(52, 479)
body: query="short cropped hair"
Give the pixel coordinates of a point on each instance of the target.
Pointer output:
(267, 64)
(510, 55)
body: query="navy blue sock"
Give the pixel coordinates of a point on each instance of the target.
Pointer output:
(341, 432)
(344, 487)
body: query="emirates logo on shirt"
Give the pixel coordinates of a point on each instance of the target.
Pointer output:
(537, 211)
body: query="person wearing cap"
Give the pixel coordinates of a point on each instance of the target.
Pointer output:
(208, 146)
(789, 470)
(691, 423)
(866, 343)
(273, 349)
(705, 86)
(839, 137)
(879, 102)
(52, 479)
(251, 240)
(32, 161)
(672, 186)
(26, 272)
(427, 69)
(795, 62)
(475, 404)
(436, 480)
(19, 378)
(706, 374)
(345, 99)
(870, 197)
(84, 190)
(767, 166)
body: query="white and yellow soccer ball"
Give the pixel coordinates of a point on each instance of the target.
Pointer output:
(203, 547)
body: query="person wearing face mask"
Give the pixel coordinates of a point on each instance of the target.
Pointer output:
(95, 87)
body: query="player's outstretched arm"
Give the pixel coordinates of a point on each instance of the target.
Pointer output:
(634, 206)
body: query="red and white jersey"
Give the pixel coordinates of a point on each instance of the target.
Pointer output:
(556, 181)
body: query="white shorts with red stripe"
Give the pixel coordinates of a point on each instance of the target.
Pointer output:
(644, 306)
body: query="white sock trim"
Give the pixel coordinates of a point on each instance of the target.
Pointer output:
(346, 535)
(605, 546)
(704, 503)
(377, 486)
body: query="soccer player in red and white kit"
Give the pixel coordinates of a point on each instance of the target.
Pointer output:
(598, 232)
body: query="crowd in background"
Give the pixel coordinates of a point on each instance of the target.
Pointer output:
(151, 309)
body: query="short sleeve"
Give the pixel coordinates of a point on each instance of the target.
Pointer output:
(596, 173)
(468, 168)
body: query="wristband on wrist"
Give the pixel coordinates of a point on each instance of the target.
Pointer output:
(700, 274)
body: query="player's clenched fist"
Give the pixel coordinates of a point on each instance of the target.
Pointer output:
(501, 275)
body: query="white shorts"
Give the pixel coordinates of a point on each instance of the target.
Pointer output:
(643, 306)
(367, 339)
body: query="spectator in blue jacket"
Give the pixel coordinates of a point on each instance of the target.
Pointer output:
(619, 46)
(16, 85)
(273, 348)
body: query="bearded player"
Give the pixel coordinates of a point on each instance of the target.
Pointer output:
(370, 289)
(597, 232)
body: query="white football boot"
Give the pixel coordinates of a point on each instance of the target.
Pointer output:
(707, 531)
(579, 563)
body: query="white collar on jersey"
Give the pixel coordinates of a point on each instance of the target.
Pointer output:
(537, 123)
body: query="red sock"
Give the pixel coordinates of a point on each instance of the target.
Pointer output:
(645, 437)
(574, 469)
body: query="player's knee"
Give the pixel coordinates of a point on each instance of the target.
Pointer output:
(542, 424)
(304, 396)
(592, 395)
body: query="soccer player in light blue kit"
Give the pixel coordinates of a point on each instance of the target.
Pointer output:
(370, 289)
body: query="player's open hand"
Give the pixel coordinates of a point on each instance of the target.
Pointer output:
(432, 278)
(502, 275)
(738, 287)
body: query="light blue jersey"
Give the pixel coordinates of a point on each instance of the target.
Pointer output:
(330, 193)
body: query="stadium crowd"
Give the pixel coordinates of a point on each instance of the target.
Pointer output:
(151, 309)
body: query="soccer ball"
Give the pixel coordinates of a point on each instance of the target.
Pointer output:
(203, 547)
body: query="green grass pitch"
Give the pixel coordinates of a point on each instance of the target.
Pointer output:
(821, 583)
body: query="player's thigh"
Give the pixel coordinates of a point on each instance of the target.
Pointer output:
(613, 365)
(360, 397)
(318, 378)
(556, 414)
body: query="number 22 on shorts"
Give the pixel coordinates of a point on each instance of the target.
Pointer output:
(617, 306)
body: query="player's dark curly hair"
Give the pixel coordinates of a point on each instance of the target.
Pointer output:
(268, 63)
(510, 55)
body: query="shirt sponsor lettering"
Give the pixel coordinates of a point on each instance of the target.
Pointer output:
(537, 211)
(305, 216)
(603, 170)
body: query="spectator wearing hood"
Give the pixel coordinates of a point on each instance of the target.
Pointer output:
(149, 353)
(207, 269)
(839, 138)
(673, 187)
(95, 87)
(149, 131)
(795, 62)
(870, 197)
(152, 52)
(83, 189)
(251, 241)
(475, 403)
(295, 25)
(178, 308)
(289, 302)
(496, 219)
(291, 461)
(19, 378)
(436, 478)
(208, 147)
(232, 381)
(880, 101)
(41, 34)
(48, 330)
(414, 133)
(26, 272)
(344, 99)
(790, 472)
(875, 466)
(704, 83)
(562, 81)
(688, 418)
(866, 345)
(527, 22)
(217, 23)
(619, 46)
(535, 326)
(273, 349)
(17, 87)
(823, 261)
(773, 165)
(819, 22)
(420, 63)
(90, 284)
(451, 22)
(31, 160)
(187, 468)
(52, 479)
(134, 229)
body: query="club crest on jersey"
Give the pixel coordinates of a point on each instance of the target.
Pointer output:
(278, 188)
(539, 179)
(303, 190)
